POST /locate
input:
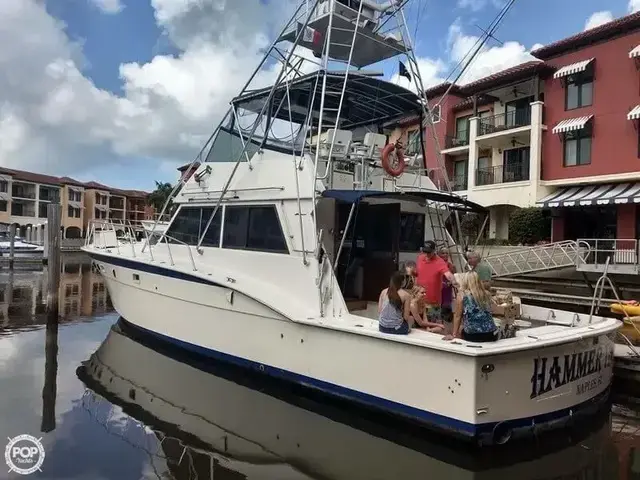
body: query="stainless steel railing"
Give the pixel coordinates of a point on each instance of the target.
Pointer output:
(97, 236)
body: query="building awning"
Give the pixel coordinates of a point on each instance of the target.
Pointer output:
(573, 68)
(604, 194)
(634, 114)
(635, 52)
(571, 124)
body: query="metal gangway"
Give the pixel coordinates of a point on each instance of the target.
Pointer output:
(539, 258)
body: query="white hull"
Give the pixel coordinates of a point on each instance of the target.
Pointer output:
(245, 427)
(515, 386)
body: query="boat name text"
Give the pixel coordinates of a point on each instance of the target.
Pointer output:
(552, 373)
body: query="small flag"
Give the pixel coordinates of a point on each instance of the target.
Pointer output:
(310, 35)
(403, 71)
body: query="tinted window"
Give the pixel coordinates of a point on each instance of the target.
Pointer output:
(253, 228)
(189, 224)
(212, 237)
(236, 224)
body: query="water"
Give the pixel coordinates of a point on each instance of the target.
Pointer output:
(111, 406)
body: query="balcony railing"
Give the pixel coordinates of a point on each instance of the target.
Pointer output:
(459, 182)
(505, 121)
(516, 172)
(460, 139)
(19, 192)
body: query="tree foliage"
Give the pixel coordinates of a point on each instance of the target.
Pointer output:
(160, 195)
(529, 226)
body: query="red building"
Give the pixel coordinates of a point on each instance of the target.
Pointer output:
(561, 132)
(591, 150)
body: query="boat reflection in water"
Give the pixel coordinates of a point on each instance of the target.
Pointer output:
(23, 295)
(207, 421)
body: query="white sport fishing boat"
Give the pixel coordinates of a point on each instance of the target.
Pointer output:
(277, 253)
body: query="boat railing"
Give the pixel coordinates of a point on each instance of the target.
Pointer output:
(103, 234)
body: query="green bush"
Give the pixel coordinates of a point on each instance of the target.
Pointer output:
(528, 226)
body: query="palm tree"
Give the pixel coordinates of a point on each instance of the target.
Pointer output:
(160, 195)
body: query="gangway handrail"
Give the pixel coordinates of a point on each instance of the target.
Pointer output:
(530, 247)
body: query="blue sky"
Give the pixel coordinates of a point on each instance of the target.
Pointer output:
(124, 91)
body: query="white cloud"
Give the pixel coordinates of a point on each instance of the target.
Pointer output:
(431, 71)
(490, 59)
(477, 5)
(597, 19)
(54, 119)
(634, 6)
(108, 6)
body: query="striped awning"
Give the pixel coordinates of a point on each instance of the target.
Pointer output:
(573, 68)
(634, 114)
(635, 52)
(611, 193)
(571, 124)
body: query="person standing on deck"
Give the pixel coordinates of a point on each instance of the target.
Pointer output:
(447, 288)
(432, 270)
(482, 269)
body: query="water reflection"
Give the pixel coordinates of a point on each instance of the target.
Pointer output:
(201, 420)
(23, 295)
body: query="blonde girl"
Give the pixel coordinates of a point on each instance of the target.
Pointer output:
(472, 320)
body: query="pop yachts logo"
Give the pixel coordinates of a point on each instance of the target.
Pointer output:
(549, 374)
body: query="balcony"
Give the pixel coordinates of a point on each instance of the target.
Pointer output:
(505, 121)
(48, 194)
(116, 203)
(23, 209)
(23, 190)
(514, 172)
(459, 183)
(460, 139)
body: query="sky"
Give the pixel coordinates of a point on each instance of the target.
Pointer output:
(124, 91)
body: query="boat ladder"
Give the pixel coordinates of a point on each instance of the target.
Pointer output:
(597, 299)
(539, 258)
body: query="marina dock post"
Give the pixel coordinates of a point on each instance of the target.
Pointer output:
(53, 240)
(12, 242)
(50, 387)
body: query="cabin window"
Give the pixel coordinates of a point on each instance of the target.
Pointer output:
(189, 224)
(253, 228)
(411, 231)
(212, 237)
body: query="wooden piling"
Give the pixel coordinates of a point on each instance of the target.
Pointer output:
(12, 241)
(50, 387)
(54, 218)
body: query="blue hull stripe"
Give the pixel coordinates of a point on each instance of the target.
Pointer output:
(150, 268)
(428, 418)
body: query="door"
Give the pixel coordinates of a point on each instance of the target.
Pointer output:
(515, 165)
(382, 251)
(518, 112)
(351, 261)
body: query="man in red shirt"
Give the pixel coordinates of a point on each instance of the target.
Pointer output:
(431, 271)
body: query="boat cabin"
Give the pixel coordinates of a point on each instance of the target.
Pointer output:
(366, 230)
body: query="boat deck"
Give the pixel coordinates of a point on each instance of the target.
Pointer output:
(543, 335)
(366, 324)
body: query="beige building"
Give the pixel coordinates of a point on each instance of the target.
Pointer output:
(24, 197)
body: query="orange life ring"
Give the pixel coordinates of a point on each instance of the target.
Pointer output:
(393, 171)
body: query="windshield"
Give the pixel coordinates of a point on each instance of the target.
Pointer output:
(227, 145)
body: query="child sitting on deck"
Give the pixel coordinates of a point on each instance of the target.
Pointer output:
(418, 308)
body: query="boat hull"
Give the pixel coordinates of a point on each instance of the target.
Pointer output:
(487, 398)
